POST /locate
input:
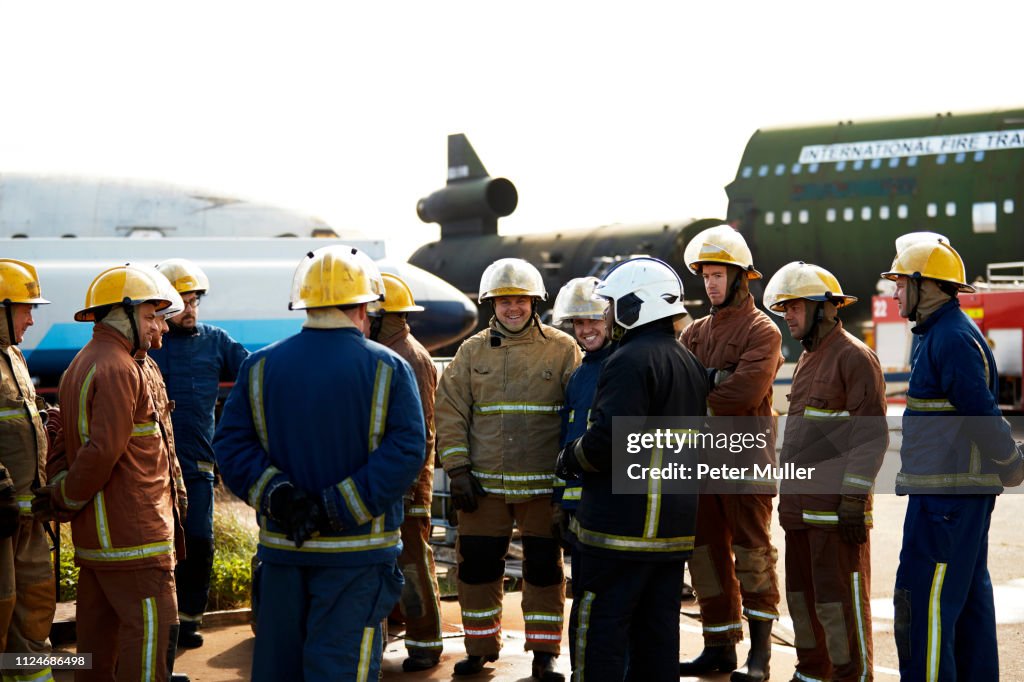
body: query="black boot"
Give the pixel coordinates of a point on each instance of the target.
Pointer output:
(544, 667)
(420, 660)
(188, 638)
(756, 669)
(714, 659)
(471, 665)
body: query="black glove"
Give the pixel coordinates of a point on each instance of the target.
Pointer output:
(560, 525)
(297, 512)
(465, 488)
(8, 505)
(852, 523)
(567, 467)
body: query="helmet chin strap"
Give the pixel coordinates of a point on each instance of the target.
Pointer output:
(9, 314)
(913, 297)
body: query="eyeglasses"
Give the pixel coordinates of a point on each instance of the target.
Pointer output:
(192, 302)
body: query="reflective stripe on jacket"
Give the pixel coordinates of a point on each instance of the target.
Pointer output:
(22, 432)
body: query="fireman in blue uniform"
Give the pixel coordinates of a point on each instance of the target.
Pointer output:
(957, 455)
(322, 434)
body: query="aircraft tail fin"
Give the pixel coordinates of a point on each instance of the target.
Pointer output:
(463, 163)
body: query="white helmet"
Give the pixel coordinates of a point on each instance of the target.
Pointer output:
(577, 300)
(511, 277)
(171, 294)
(643, 289)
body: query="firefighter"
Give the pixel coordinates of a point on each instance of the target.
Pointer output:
(118, 484)
(323, 434)
(578, 305)
(836, 424)
(497, 434)
(420, 603)
(632, 547)
(957, 455)
(26, 579)
(733, 563)
(194, 360)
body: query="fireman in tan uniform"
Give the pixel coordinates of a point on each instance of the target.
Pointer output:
(26, 579)
(836, 424)
(733, 561)
(420, 602)
(118, 484)
(498, 423)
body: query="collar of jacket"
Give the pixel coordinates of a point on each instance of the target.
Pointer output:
(923, 328)
(529, 333)
(746, 304)
(830, 336)
(175, 330)
(600, 354)
(662, 326)
(106, 334)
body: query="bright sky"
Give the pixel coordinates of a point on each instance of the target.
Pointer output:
(598, 112)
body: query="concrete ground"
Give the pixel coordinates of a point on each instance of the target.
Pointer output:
(227, 654)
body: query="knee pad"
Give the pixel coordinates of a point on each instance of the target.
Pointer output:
(755, 568)
(482, 559)
(541, 565)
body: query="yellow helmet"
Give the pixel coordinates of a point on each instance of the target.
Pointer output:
(336, 275)
(397, 297)
(19, 283)
(931, 258)
(511, 277)
(124, 285)
(803, 280)
(184, 275)
(720, 245)
(577, 300)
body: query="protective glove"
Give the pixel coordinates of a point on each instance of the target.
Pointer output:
(717, 376)
(465, 488)
(8, 505)
(560, 525)
(852, 522)
(567, 467)
(299, 514)
(45, 509)
(1014, 476)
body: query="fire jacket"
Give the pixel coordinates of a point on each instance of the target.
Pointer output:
(954, 439)
(22, 431)
(579, 399)
(339, 417)
(118, 476)
(836, 424)
(413, 352)
(649, 374)
(497, 408)
(744, 341)
(193, 363)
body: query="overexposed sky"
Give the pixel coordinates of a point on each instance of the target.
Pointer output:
(599, 112)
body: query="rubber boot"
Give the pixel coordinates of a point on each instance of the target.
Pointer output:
(172, 649)
(756, 669)
(188, 638)
(544, 667)
(471, 665)
(714, 659)
(420, 660)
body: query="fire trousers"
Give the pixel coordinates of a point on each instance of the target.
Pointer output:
(734, 561)
(124, 619)
(481, 548)
(26, 595)
(419, 603)
(945, 614)
(828, 590)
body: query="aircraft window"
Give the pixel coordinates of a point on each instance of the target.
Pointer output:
(979, 156)
(912, 161)
(747, 171)
(883, 212)
(780, 169)
(865, 213)
(876, 163)
(940, 159)
(830, 215)
(812, 168)
(769, 218)
(804, 216)
(1008, 206)
(787, 217)
(858, 164)
(932, 210)
(841, 166)
(796, 169)
(894, 162)
(762, 171)
(983, 216)
(902, 211)
(950, 208)
(960, 157)
(848, 214)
